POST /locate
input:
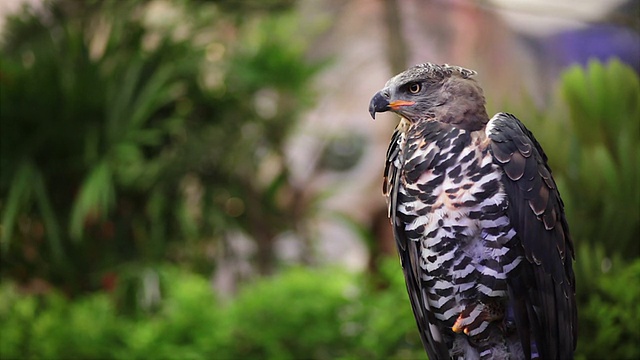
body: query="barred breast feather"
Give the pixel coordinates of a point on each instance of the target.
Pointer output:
(449, 204)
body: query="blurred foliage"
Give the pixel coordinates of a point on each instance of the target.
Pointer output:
(52, 327)
(591, 134)
(609, 306)
(306, 315)
(133, 130)
(299, 314)
(602, 172)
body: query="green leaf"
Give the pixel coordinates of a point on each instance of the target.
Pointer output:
(28, 185)
(20, 193)
(49, 218)
(128, 161)
(154, 94)
(120, 95)
(95, 199)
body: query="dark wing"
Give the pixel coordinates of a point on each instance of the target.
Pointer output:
(543, 292)
(409, 257)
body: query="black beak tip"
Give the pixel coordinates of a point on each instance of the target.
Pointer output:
(378, 104)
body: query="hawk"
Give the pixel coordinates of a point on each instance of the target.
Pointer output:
(478, 222)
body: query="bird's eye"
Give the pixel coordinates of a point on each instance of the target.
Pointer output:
(414, 88)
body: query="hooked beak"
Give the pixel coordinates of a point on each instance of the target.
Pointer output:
(380, 103)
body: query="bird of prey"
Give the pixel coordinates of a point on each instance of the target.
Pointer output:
(478, 222)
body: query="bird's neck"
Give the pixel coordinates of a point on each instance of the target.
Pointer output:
(462, 104)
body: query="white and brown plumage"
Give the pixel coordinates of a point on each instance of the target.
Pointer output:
(478, 222)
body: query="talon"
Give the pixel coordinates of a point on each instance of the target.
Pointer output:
(473, 316)
(458, 327)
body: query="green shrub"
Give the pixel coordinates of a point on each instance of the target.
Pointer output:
(609, 317)
(127, 138)
(303, 313)
(51, 327)
(603, 171)
(298, 314)
(591, 133)
(91, 327)
(386, 323)
(16, 315)
(185, 325)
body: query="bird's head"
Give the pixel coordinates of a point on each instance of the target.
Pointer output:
(428, 91)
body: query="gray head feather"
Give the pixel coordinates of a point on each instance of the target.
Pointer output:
(446, 93)
(430, 71)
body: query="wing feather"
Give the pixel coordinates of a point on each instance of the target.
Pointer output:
(543, 292)
(430, 335)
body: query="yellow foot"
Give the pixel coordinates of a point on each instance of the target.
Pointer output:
(476, 317)
(458, 326)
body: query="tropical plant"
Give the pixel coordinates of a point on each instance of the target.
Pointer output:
(592, 135)
(125, 137)
(603, 168)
